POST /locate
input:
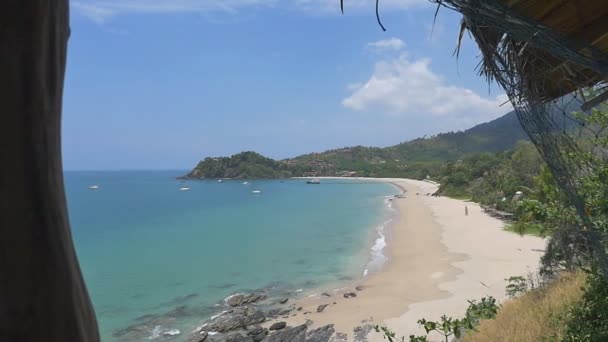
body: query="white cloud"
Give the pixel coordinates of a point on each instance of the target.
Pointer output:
(96, 13)
(409, 88)
(354, 86)
(101, 10)
(394, 44)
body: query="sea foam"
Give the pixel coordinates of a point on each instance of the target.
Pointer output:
(377, 256)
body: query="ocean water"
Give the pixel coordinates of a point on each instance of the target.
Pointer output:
(156, 258)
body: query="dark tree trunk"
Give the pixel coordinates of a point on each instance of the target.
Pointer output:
(42, 293)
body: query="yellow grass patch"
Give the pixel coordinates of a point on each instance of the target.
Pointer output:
(533, 316)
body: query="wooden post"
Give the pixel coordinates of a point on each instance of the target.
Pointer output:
(42, 293)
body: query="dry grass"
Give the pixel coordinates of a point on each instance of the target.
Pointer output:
(533, 316)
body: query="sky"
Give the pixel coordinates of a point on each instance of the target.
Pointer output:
(162, 84)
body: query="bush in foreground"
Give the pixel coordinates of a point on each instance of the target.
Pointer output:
(588, 319)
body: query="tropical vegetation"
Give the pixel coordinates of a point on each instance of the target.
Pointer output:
(416, 159)
(569, 299)
(242, 165)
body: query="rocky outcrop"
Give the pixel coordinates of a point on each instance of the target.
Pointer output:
(232, 326)
(257, 333)
(238, 338)
(241, 323)
(291, 334)
(234, 319)
(198, 337)
(361, 332)
(243, 299)
(322, 334)
(339, 337)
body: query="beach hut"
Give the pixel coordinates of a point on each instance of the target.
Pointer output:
(537, 50)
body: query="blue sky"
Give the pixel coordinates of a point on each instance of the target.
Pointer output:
(161, 84)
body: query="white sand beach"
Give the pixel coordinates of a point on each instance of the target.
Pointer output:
(438, 259)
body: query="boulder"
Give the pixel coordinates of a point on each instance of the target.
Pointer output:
(277, 326)
(283, 301)
(325, 294)
(322, 334)
(290, 334)
(257, 333)
(350, 294)
(322, 307)
(359, 288)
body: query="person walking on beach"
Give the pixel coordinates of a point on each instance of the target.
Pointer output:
(466, 211)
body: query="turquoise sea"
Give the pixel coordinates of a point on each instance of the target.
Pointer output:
(156, 258)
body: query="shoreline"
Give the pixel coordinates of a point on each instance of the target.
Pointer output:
(416, 263)
(434, 265)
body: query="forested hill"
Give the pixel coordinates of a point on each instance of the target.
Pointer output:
(414, 158)
(242, 165)
(497, 135)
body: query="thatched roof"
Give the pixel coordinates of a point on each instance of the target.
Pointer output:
(538, 51)
(545, 47)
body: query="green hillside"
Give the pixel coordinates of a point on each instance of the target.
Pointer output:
(243, 165)
(415, 159)
(495, 136)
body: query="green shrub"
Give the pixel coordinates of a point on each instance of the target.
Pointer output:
(485, 309)
(516, 286)
(447, 327)
(588, 319)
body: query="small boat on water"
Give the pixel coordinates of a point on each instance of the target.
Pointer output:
(245, 183)
(313, 181)
(184, 188)
(220, 181)
(256, 192)
(94, 187)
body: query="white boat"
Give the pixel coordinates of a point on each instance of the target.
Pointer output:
(184, 188)
(256, 192)
(245, 183)
(220, 181)
(313, 181)
(94, 187)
